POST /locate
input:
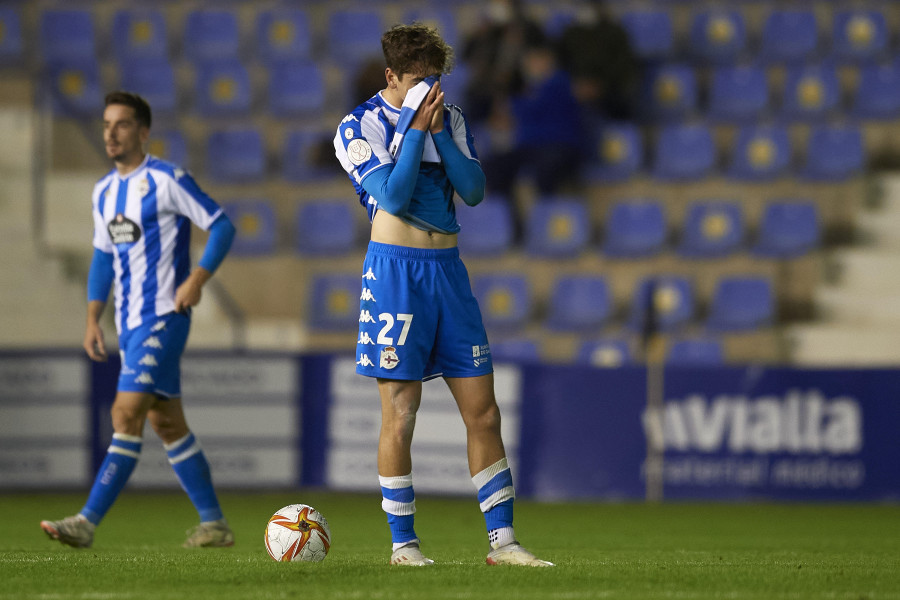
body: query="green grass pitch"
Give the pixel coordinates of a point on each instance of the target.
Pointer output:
(682, 551)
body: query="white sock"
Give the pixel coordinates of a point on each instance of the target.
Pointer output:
(501, 537)
(396, 546)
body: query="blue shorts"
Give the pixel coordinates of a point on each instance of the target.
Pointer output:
(151, 356)
(418, 318)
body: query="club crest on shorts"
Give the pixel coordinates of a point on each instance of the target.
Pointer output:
(389, 358)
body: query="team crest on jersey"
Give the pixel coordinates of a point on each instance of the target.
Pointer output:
(359, 151)
(348, 133)
(389, 358)
(143, 187)
(123, 230)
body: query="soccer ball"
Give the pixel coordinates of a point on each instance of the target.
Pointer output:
(298, 532)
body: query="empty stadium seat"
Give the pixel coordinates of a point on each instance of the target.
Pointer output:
(738, 93)
(711, 229)
(76, 87)
(811, 92)
(696, 352)
(877, 96)
(651, 32)
(670, 91)
(308, 155)
(296, 87)
(834, 153)
(334, 302)
(515, 350)
(788, 229)
(790, 35)
(140, 33)
(257, 231)
(12, 41)
(211, 35)
(718, 35)
(760, 153)
(235, 155)
(486, 229)
(579, 303)
(557, 228)
(605, 353)
(634, 229)
(169, 145)
(741, 304)
(222, 88)
(860, 35)
(67, 35)
(283, 34)
(662, 303)
(619, 153)
(354, 34)
(684, 152)
(326, 227)
(505, 300)
(154, 79)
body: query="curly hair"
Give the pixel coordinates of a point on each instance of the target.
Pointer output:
(409, 48)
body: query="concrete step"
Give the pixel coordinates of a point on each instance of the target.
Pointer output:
(857, 307)
(843, 345)
(868, 270)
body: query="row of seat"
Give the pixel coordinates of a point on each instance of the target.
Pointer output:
(617, 351)
(557, 228)
(578, 304)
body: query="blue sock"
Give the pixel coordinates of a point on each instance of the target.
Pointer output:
(495, 496)
(121, 458)
(192, 469)
(399, 502)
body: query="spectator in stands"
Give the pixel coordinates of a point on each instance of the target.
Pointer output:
(605, 70)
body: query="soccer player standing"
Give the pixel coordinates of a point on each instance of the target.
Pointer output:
(143, 210)
(407, 154)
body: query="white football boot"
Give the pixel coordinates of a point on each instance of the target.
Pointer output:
(210, 534)
(410, 556)
(515, 554)
(75, 531)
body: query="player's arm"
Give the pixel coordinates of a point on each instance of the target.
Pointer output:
(221, 234)
(100, 279)
(464, 173)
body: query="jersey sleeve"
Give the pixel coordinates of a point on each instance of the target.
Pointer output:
(461, 133)
(189, 200)
(101, 240)
(361, 145)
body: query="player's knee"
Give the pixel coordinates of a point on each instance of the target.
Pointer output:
(127, 419)
(484, 420)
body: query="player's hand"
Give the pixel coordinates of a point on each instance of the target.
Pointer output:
(430, 116)
(93, 342)
(187, 295)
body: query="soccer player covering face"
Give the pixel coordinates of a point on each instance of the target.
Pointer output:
(143, 210)
(406, 153)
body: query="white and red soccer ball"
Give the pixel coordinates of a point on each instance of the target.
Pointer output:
(298, 532)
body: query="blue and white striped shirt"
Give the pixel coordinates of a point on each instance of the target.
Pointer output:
(144, 220)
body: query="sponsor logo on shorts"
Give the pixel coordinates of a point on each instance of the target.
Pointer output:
(389, 358)
(148, 361)
(481, 354)
(364, 338)
(152, 342)
(364, 361)
(144, 378)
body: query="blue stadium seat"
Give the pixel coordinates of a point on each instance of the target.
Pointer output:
(211, 35)
(326, 227)
(486, 229)
(605, 353)
(651, 32)
(811, 92)
(670, 92)
(257, 229)
(741, 303)
(790, 35)
(634, 229)
(283, 34)
(235, 155)
(67, 35)
(860, 35)
(761, 153)
(222, 88)
(515, 350)
(169, 145)
(684, 152)
(443, 18)
(738, 93)
(334, 302)
(309, 155)
(579, 303)
(505, 300)
(718, 36)
(662, 303)
(877, 96)
(296, 88)
(76, 87)
(696, 352)
(154, 79)
(619, 153)
(140, 33)
(834, 153)
(354, 34)
(557, 228)
(711, 229)
(12, 40)
(788, 229)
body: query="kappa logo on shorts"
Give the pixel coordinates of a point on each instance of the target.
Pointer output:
(152, 342)
(148, 361)
(364, 361)
(370, 276)
(389, 358)
(367, 295)
(365, 317)
(144, 378)
(158, 326)
(364, 338)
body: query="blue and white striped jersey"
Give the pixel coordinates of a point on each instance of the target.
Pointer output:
(144, 220)
(362, 145)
